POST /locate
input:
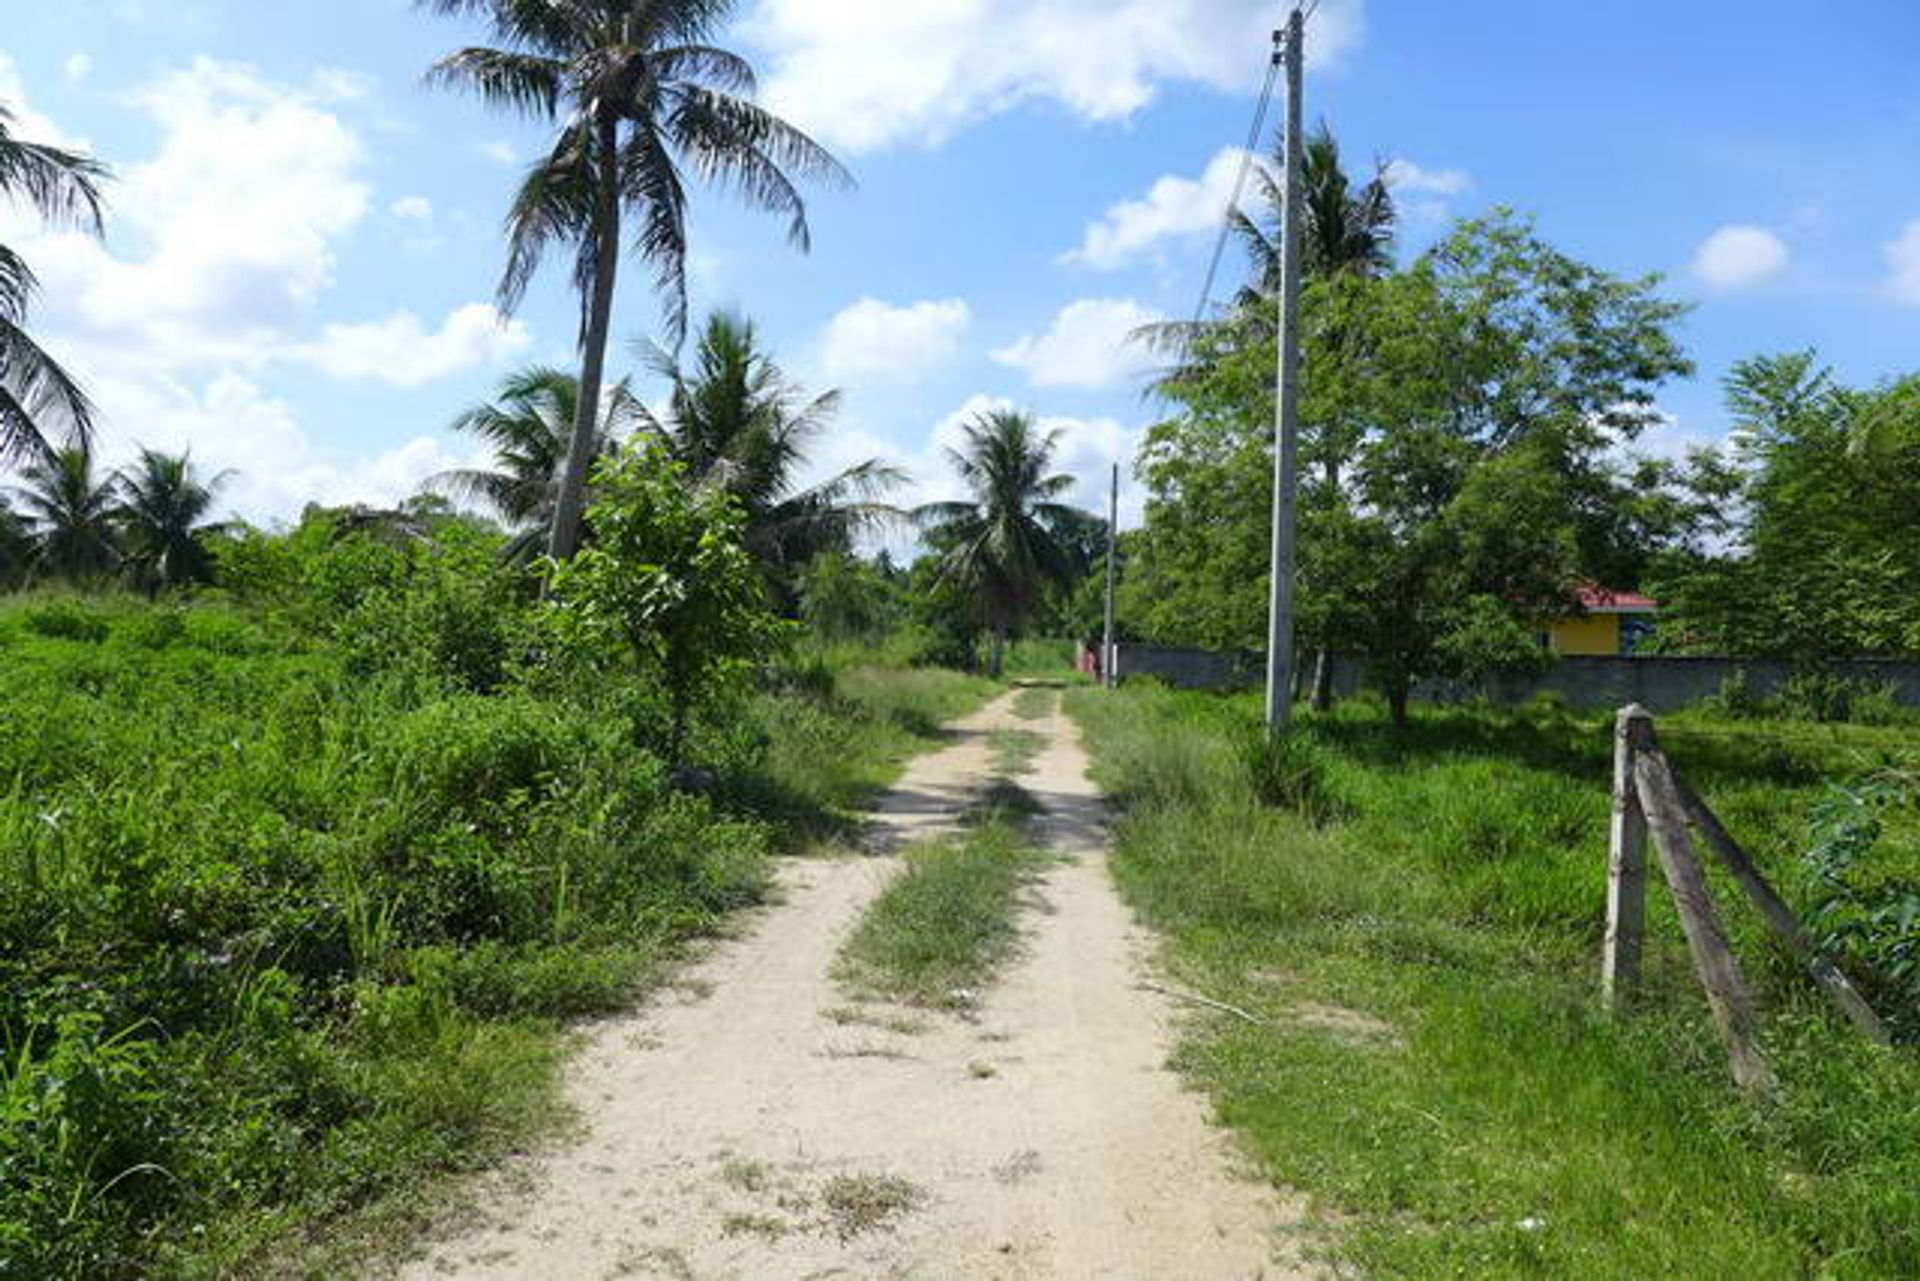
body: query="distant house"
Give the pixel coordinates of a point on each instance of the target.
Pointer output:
(1609, 622)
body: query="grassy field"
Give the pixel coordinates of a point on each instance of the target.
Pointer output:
(285, 927)
(1416, 918)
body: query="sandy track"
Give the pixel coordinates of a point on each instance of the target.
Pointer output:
(759, 1125)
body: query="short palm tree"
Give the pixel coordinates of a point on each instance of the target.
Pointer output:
(642, 99)
(1001, 545)
(528, 423)
(70, 516)
(162, 515)
(735, 419)
(36, 394)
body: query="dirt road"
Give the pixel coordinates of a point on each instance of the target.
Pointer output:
(761, 1126)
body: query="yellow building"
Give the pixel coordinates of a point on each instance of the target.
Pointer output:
(1609, 623)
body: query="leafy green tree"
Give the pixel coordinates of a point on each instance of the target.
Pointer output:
(845, 598)
(734, 419)
(1002, 547)
(643, 98)
(528, 423)
(63, 187)
(668, 581)
(70, 516)
(1824, 562)
(1486, 392)
(162, 514)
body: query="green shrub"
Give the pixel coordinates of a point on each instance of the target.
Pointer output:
(64, 619)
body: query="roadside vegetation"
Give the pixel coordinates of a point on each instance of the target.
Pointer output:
(300, 879)
(1414, 920)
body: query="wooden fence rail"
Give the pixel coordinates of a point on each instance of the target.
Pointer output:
(1650, 798)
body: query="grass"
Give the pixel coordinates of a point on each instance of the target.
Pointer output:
(946, 924)
(1444, 889)
(1035, 702)
(1014, 750)
(842, 736)
(291, 922)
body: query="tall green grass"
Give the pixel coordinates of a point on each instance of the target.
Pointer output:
(289, 921)
(1473, 1114)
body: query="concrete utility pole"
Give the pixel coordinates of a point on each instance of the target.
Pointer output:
(1107, 650)
(1287, 424)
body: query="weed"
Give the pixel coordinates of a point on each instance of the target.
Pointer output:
(1014, 750)
(946, 923)
(1035, 702)
(860, 1203)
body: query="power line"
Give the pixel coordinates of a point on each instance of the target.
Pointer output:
(1240, 181)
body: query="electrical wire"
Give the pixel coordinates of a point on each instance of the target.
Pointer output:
(1239, 183)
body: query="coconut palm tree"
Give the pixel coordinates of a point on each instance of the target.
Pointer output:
(163, 522)
(643, 100)
(732, 417)
(69, 514)
(1346, 230)
(63, 187)
(528, 423)
(1000, 546)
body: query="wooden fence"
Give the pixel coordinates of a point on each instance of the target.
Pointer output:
(1650, 797)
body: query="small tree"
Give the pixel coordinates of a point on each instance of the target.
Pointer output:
(669, 580)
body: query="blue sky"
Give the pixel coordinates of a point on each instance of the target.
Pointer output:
(304, 241)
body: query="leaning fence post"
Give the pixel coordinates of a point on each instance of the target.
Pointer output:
(1626, 862)
(1780, 918)
(1727, 994)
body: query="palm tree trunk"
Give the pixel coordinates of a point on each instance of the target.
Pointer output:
(564, 538)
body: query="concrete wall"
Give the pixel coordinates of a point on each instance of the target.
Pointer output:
(1659, 684)
(1189, 668)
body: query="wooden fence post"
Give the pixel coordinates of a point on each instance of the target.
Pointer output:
(1626, 863)
(1780, 918)
(1727, 994)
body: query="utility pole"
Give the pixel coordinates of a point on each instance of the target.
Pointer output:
(1287, 403)
(1108, 651)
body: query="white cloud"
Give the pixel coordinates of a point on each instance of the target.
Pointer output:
(78, 67)
(412, 209)
(230, 423)
(1173, 207)
(1738, 256)
(863, 76)
(221, 248)
(1903, 263)
(1089, 346)
(401, 352)
(1404, 175)
(501, 153)
(872, 339)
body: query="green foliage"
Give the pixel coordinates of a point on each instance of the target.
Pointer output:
(1825, 566)
(667, 581)
(1458, 458)
(1432, 1068)
(1865, 854)
(291, 891)
(1010, 541)
(941, 929)
(844, 598)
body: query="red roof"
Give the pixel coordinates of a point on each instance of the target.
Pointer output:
(1594, 597)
